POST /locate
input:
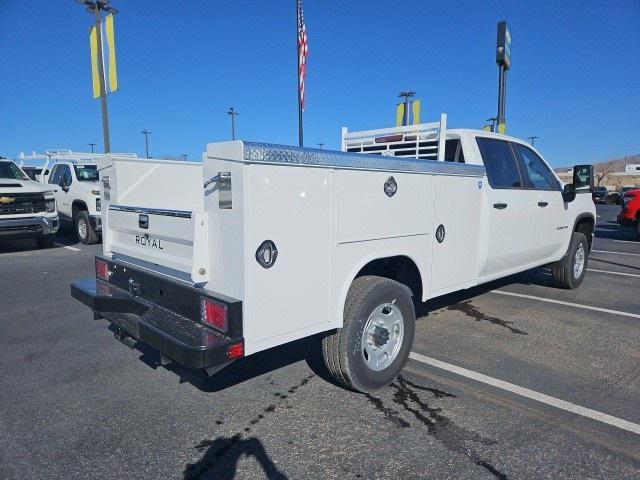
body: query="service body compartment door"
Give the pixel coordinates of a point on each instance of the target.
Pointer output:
(456, 229)
(155, 215)
(291, 207)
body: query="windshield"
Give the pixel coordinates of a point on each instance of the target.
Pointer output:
(10, 170)
(87, 173)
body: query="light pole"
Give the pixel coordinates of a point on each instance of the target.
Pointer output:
(184, 156)
(96, 7)
(406, 95)
(233, 114)
(532, 140)
(92, 145)
(146, 134)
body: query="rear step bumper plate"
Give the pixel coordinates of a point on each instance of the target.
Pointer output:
(181, 339)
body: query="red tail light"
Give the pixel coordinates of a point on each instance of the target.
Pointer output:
(213, 314)
(102, 270)
(235, 351)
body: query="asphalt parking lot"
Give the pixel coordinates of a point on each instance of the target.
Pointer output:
(514, 379)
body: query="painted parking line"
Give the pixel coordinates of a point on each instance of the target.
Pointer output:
(613, 273)
(532, 394)
(627, 241)
(616, 253)
(570, 304)
(73, 249)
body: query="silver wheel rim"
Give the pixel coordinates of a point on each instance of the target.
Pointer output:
(382, 336)
(578, 262)
(82, 228)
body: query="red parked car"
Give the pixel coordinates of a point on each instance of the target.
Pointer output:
(629, 215)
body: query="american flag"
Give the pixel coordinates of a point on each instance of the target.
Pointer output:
(303, 53)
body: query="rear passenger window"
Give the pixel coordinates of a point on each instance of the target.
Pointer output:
(539, 174)
(453, 151)
(500, 163)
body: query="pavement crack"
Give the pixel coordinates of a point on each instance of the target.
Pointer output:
(450, 435)
(390, 414)
(472, 311)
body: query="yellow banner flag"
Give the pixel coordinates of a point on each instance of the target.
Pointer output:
(416, 112)
(486, 128)
(399, 114)
(502, 127)
(95, 76)
(111, 45)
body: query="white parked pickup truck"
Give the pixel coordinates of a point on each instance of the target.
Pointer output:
(27, 208)
(265, 244)
(75, 176)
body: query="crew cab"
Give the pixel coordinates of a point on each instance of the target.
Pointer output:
(264, 244)
(629, 215)
(77, 185)
(27, 208)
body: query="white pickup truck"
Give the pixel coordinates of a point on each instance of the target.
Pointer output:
(75, 177)
(265, 244)
(77, 186)
(27, 208)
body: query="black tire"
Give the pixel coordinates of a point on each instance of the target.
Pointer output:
(45, 241)
(343, 351)
(82, 224)
(638, 226)
(563, 271)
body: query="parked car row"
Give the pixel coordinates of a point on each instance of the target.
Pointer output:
(602, 195)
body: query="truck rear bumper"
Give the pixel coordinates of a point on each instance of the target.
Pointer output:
(177, 337)
(28, 226)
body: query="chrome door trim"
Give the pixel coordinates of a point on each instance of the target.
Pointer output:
(151, 211)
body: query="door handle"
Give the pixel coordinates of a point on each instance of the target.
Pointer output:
(543, 204)
(500, 206)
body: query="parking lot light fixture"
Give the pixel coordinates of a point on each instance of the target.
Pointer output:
(96, 7)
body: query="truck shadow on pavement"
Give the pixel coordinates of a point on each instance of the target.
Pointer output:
(244, 369)
(64, 237)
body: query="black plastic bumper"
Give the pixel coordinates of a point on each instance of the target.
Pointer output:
(175, 335)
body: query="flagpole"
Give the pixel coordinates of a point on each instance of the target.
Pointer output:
(300, 134)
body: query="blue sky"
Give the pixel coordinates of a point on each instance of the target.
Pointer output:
(575, 81)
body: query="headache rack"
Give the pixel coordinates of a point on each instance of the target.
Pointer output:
(424, 141)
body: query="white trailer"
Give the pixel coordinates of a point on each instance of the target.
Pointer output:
(265, 244)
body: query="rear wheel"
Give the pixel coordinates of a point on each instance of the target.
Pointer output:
(569, 272)
(84, 231)
(45, 241)
(638, 226)
(373, 345)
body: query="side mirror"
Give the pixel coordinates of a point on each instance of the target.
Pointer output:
(64, 185)
(583, 177)
(568, 193)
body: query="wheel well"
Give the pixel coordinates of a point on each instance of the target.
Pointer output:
(77, 206)
(585, 225)
(400, 268)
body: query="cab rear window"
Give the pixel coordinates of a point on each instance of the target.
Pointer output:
(500, 163)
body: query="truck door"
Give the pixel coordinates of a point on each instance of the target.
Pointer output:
(55, 179)
(551, 216)
(66, 179)
(511, 210)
